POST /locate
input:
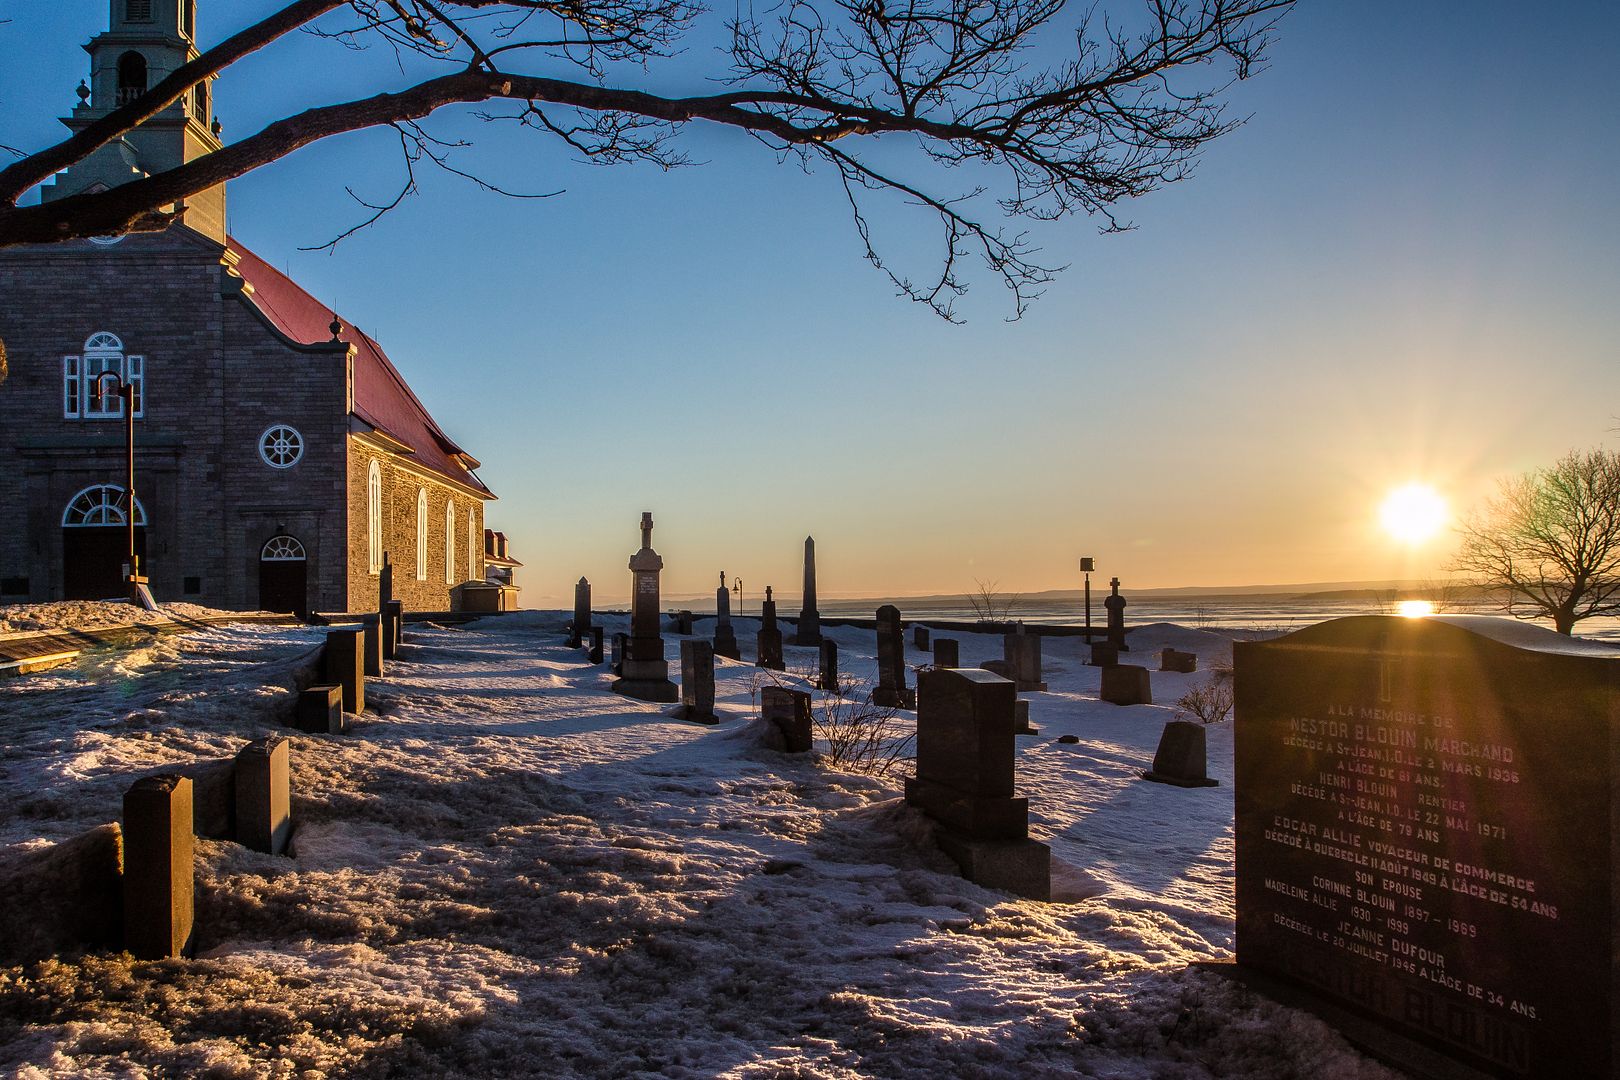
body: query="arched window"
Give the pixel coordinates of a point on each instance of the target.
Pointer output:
(282, 549)
(421, 534)
(374, 522)
(449, 542)
(131, 77)
(86, 394)
(102, 504)
(472, 546)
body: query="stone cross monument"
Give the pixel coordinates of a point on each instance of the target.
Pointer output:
(1116, 618)
(769, 651)
(725, 638)
(646, 672)
(809, 632)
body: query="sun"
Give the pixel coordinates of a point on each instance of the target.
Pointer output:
(1413, 513)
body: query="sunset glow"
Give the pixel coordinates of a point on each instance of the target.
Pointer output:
(1413, 514)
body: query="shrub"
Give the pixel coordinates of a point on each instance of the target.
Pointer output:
(1210, 702)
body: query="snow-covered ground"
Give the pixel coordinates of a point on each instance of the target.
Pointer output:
(505, 869)
(95, 615)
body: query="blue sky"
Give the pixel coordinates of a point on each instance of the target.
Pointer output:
(1404, 266)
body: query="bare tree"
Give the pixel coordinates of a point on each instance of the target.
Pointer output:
(1551, 540)
(990, 604)
(1122, 107)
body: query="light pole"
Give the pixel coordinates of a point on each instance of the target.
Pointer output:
(138, 594)
(1087, 565)
(736, 587)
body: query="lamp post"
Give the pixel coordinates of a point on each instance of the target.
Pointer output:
(736, 587)
(1087, 565)
(126, 397)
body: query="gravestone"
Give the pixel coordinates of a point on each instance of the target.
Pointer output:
(320, 709)
(1127, 684)
(725, 637)
(683, 623)
(919, 637)
(371, 629)
(263, 795)
(1175, 660)
(581, 623)
(787, 719)
(827, 676)
(343, 662)
(809, 628)
(159, 898)
(1104, 654)
(997, 667)
(964, 780)
(595, 655)
(616, 657)
(644, 671)
(891, 691)
(1426, 833)
(1181, 758)
(1021, 724)
(1115, 604)
(768, 651)
(697, 682)
(385, 585)
(1023, 658)
(396, 629)
(947, 652)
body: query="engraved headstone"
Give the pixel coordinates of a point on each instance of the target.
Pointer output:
(1181, 758)
(891, 691)
(725, 636)
(769, 643)
(947, 652)
(964, 780)
(809, 628)
(827, 674)
(1023, 657)
(580, 625)
(787, 719)
(320, 709)
(1115, 604)
(159, 901)
(1127, 684)
(697, 682)
(645, 672)
(1426, 832)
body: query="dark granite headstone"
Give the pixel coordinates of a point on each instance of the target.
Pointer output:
(808, 632)
(1104, 654)
(697, 682)
(1175, 660)
(372, 628)
(580, 625)
(385, 584)
(1427, 824)
(595, 655)
(1127, 684)
(683, 623)
(263, 795)
(1021, 724)
(1023, 656)
(644, 671)
(947, 652)
(396, 629)
(787, 719)
(343, 662)
(827, 676)
(1115, 604)
(891, 691)
(964, 780)
(769, 643)
(919, 637)
(997, 667)
(159, 901)
(725, 637)
(1181, 758)
(320, 709)
(616, 657)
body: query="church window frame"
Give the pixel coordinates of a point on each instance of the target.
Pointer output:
(86, 395)
(421, 534)
(374, 540)
(283, 548)
(449, 541)
(472, 544)
(99, 506)
(281, 446)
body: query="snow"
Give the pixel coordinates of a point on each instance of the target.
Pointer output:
(505, 869)
(18, 619)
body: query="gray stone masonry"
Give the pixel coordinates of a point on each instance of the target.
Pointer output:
(787, 719)
(947, 653)
(1127, 684)
(320, 710)
(263, 795)
(827, 676)
(891, 691)
(159, 902)
(697, 682)
(343, 662)
(1023, 657)
(964, 781)
(1181, 758)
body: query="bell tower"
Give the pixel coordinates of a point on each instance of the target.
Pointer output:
(145, 41)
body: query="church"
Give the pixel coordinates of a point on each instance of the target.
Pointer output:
(278, 452)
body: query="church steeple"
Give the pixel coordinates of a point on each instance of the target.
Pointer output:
(145, 41)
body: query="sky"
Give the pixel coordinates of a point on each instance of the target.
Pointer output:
(1402, 267)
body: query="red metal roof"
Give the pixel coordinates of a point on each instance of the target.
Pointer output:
(381, 397)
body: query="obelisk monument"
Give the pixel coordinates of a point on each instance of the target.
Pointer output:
(646, 672)
(809, 632)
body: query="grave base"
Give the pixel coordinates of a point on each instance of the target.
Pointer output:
(725, 644)
(990, 817)
(1179, 781)
(688, 712)
(660, 690)
(1022, 867)
(1025, 687)
(887, 697)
